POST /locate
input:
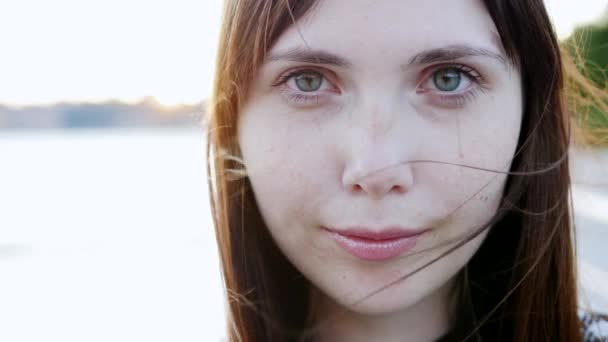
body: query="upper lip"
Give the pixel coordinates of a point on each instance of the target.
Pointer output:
(377, 234)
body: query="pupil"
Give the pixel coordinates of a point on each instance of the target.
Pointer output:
(308, 82)
(447, 79)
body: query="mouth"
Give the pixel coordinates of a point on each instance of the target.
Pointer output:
(375, 245)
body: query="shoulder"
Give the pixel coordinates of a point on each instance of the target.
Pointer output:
(594, 326)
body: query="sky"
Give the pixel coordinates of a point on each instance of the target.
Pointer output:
(97, 50)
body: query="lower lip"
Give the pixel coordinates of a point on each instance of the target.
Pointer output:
(375, 250)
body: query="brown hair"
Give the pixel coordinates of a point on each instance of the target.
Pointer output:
(521, 283)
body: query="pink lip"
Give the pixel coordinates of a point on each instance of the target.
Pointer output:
(376, 245)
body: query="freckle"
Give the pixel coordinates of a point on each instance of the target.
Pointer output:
(460, 154)
(317, 124)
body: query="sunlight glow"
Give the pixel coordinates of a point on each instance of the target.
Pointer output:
(567, 14)
(69, 50)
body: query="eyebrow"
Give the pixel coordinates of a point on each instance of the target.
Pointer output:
(310, 56)
(443, 54)
(453, 52)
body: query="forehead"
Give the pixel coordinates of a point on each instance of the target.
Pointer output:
(385, 28)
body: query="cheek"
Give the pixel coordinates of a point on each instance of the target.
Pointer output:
(464, 198)
(280, 166)
(480, 145)
(473, 191)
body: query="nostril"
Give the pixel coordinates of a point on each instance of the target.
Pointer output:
(398, 188)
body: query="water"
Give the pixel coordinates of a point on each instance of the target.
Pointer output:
(106, 235)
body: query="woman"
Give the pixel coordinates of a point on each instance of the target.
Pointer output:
(392, 171)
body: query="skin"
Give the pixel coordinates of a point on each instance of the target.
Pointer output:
(338, 156)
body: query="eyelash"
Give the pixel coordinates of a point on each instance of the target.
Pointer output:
(293, 97)
(458, 100)
(451, 101)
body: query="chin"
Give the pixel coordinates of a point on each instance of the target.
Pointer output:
(382, 306)
(425, 289)
(398, 297)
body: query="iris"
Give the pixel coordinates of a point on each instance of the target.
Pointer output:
(309, 81)
(447, 79)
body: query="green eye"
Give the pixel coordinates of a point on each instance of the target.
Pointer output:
(309, 81)
(447, 79)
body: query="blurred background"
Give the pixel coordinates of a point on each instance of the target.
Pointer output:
(105, 228)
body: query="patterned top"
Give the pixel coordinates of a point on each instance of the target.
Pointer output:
(594, 326)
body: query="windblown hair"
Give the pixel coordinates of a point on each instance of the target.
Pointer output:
(521, 283)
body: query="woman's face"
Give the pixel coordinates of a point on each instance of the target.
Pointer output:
(345, 99)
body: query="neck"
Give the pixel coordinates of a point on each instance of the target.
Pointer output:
(427, 320)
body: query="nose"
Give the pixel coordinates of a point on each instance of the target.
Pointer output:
(378, 176)
(381, 139)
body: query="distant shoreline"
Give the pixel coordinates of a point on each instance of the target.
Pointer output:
(147, 113)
